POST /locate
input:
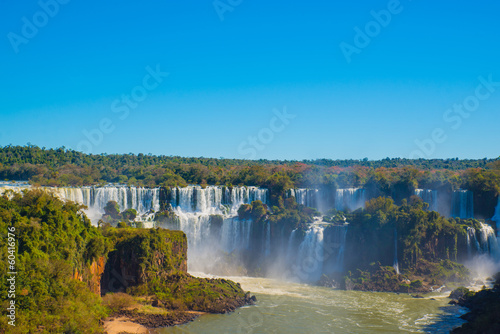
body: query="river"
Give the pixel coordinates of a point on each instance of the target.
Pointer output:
(284, 307)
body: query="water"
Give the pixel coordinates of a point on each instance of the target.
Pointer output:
(298, 308)
(462, 204)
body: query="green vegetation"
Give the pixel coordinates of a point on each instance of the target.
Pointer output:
(422, 235)
(118, 301)
(184, 292)
(53, 240)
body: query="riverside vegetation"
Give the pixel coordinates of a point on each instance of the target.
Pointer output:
(64, 264)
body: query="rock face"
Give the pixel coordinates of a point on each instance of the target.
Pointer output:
(92, 274)
(142, 255)
(484, 309)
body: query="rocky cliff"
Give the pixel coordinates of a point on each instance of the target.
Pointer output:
(142, 255)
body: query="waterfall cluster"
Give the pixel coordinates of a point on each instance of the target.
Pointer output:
(209, 217)
(143, 200)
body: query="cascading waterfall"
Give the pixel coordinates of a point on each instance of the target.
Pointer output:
(462, 204)
(396, 262)
(429, 196)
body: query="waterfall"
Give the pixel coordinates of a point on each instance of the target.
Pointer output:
(309, 265)
(472, 241)
(344, 199)
(194, 206)
(462, 204)
(396, 263)
(307, 197)
(429, 196)
(349, 199)
(235, 234)
(482, 241)
(496, 218)
(488, 241)
(290, 254)
(337, 235)
(267, 247)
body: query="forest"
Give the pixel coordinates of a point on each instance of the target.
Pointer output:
(63, 167)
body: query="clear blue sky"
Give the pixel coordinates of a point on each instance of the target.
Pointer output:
(227, 76)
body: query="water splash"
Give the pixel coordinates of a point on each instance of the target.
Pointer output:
(396, 263)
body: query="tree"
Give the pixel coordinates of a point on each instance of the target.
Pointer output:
(112, 209)
(129, 214)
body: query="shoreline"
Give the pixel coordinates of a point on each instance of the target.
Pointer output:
(141, 323)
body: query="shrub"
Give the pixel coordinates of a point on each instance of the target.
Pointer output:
(118, 301)
(416, 284)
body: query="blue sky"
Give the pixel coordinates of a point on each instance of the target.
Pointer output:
(228, 78)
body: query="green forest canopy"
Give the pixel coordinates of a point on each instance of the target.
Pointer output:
(63, 167)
